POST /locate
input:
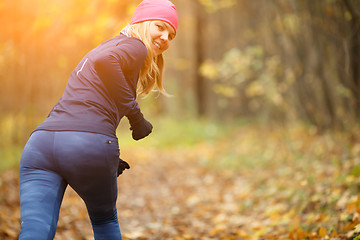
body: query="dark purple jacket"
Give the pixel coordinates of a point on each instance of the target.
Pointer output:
(101, 89)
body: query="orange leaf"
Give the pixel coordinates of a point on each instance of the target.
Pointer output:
(322, 232)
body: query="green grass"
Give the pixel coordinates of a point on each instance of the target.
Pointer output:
(15, 129)
(169, 132)
(10, 157)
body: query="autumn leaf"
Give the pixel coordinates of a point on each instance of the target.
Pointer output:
(322, 232)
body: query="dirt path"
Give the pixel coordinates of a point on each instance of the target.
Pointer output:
(167, 196)
(163, 196)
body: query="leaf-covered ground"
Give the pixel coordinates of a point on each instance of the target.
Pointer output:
(255, 183)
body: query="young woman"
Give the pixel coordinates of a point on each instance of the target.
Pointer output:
(77, 145)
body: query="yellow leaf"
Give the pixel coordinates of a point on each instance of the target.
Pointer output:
(255, 89)
(334, 234)
(224, 90)
(322, 232)
(209, 69)
(357, 228)
(351, 207)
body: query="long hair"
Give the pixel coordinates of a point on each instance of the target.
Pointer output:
(151, 73)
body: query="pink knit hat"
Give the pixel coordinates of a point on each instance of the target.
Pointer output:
(163, 10)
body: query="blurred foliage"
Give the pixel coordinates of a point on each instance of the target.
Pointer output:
(212, 6)
(282, 60)
(252, 70)
(276, 60)
(15, 130)
(40, 44)
(42, 41)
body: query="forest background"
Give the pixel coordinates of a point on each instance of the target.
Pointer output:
(285, 72)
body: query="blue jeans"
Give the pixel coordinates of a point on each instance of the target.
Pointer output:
(88, 162)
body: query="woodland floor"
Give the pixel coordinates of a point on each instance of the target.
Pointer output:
(293, 189)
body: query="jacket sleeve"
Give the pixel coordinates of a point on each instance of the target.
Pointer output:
(111, 66)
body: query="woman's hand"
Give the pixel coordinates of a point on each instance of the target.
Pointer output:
(141, 130)
(122, 166)
(140, 126)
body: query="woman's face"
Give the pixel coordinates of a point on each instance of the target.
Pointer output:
(161, 34)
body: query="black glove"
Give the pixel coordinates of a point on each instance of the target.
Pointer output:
(139, 126)
(122, 166)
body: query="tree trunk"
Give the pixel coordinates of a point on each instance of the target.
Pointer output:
(200, 86)
(355, 54)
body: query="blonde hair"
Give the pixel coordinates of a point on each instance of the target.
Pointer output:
(152, 71)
